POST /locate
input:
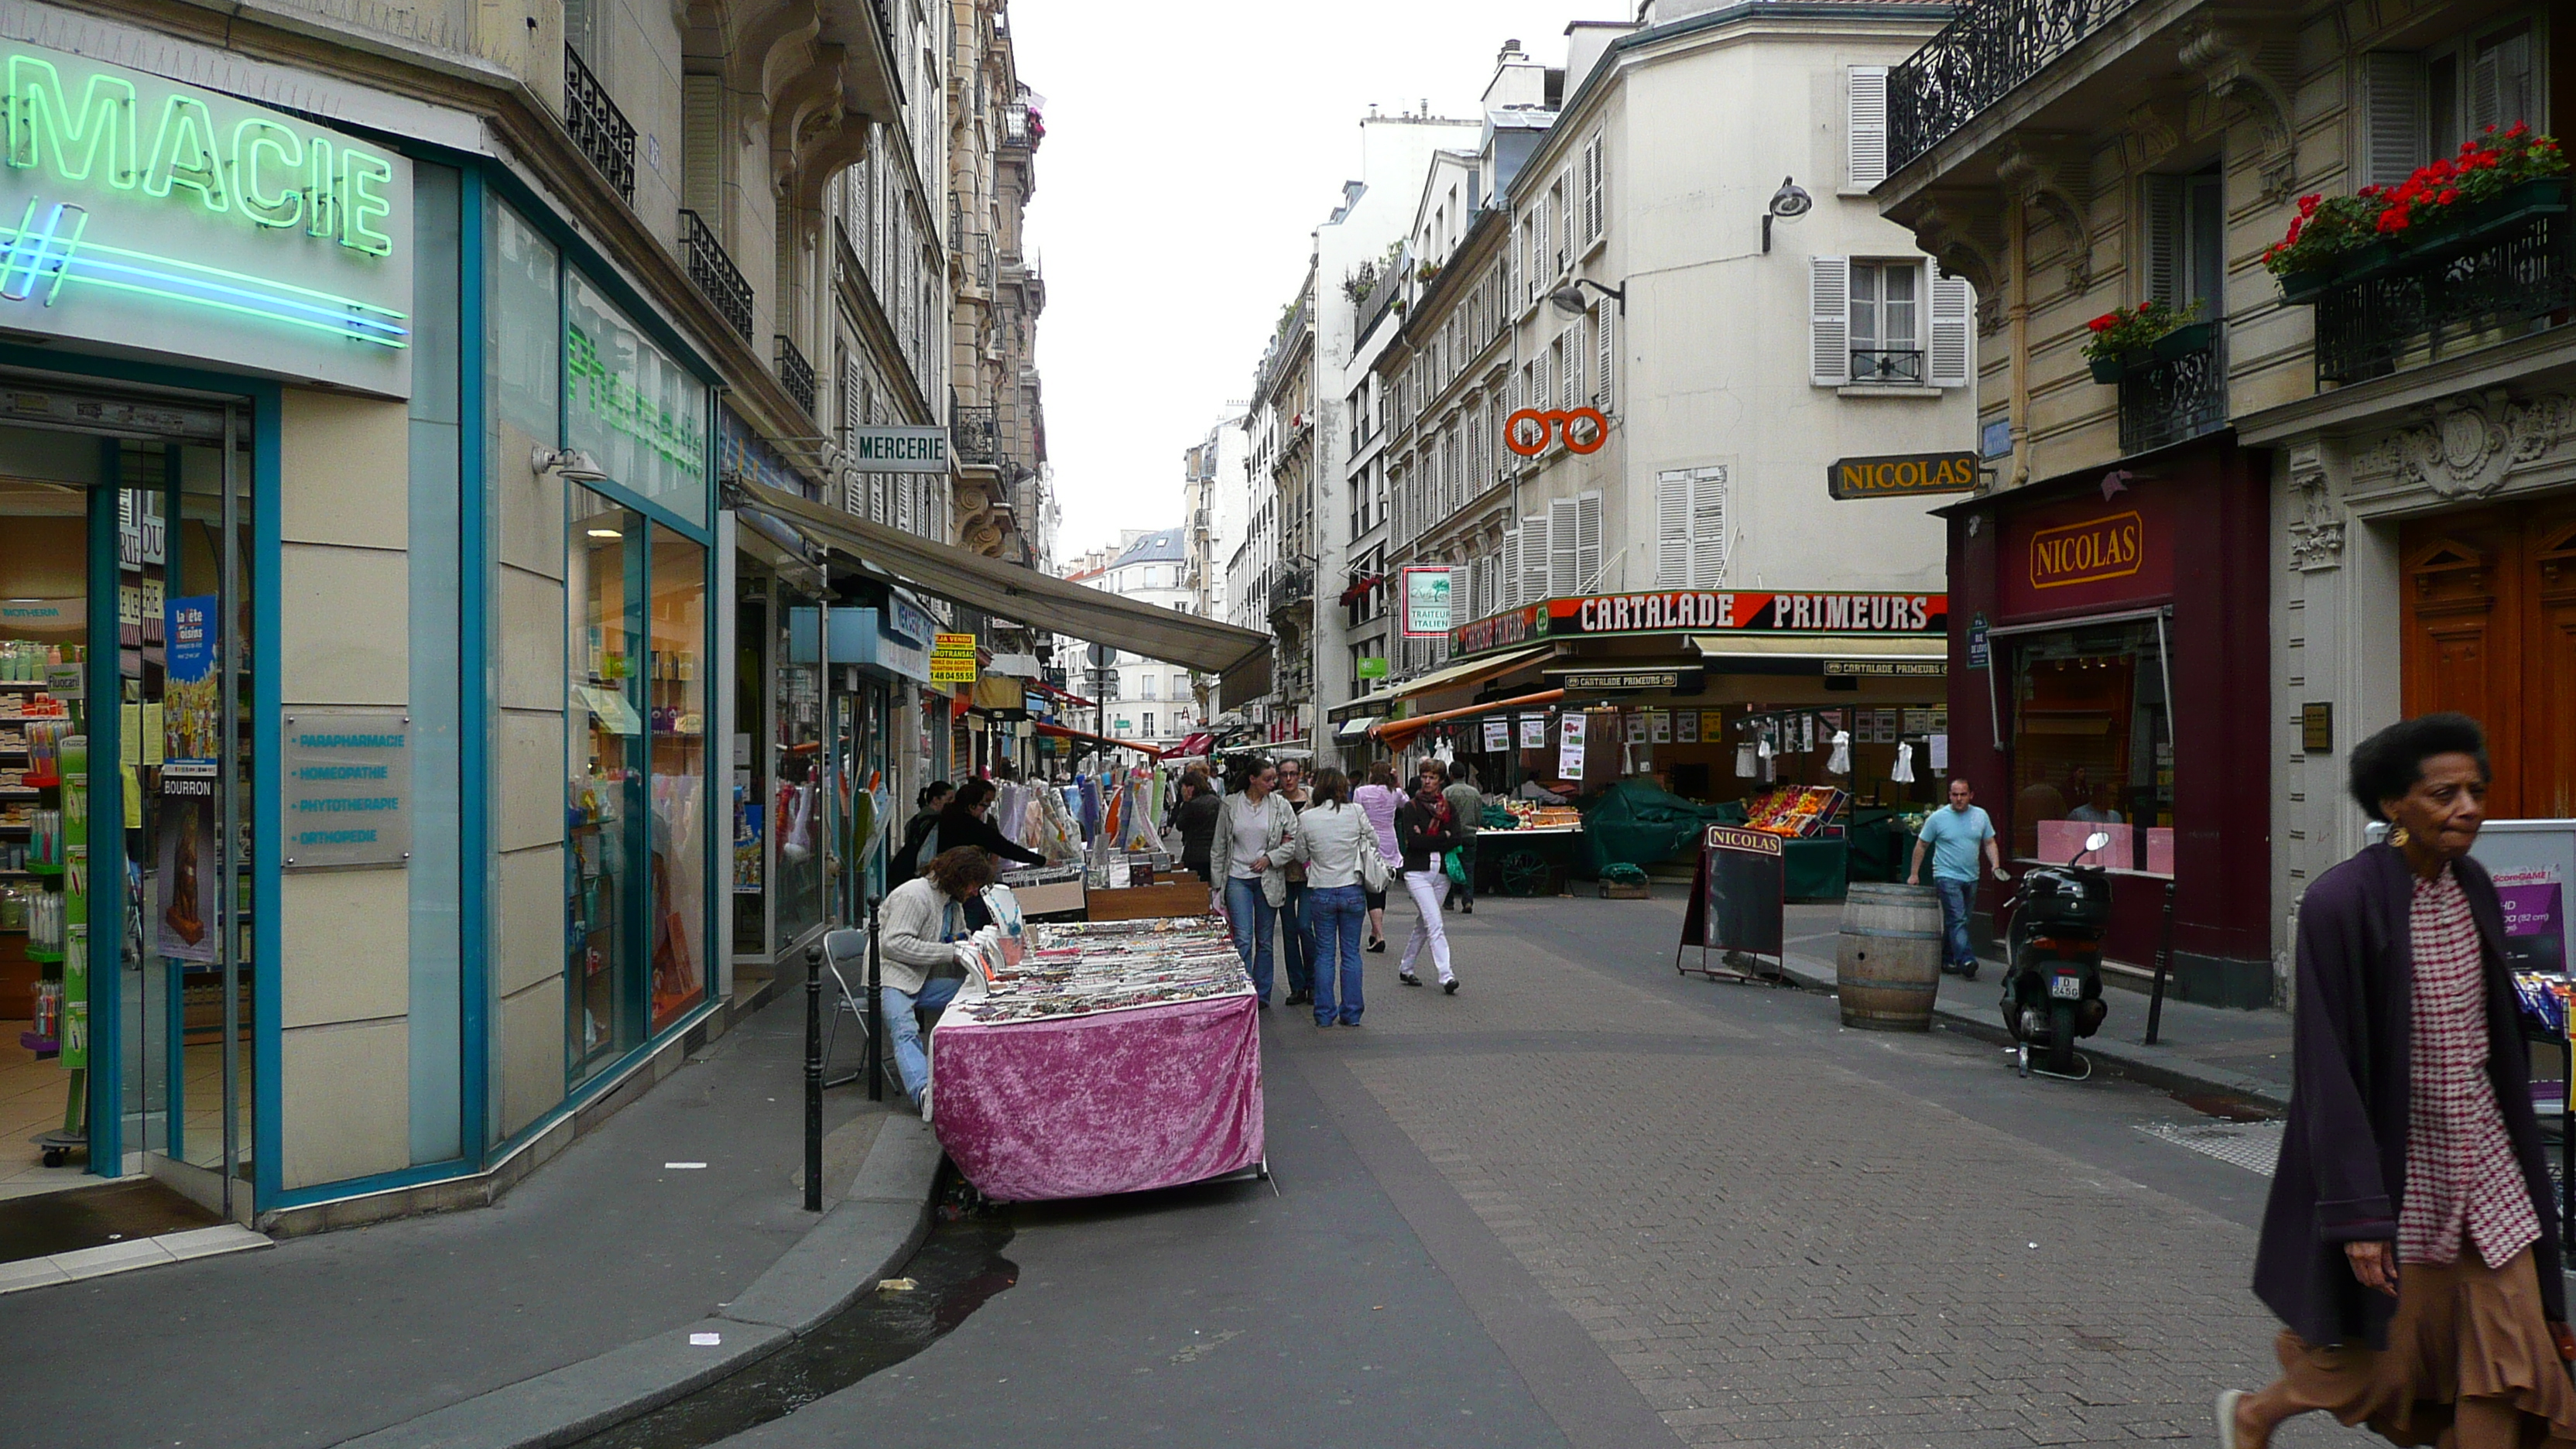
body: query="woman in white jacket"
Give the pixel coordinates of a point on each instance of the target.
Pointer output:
(919, 927)
(1333, 837)
(1248, 867)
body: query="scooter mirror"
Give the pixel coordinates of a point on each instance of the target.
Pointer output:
(2096, 841)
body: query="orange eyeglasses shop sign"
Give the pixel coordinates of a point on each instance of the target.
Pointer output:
(1582, 430)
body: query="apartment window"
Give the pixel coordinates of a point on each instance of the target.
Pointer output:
(1690, 528)
(2417, 105)
(1867, 323)
(1149, 717)
(2187, 241)
(1885, 343)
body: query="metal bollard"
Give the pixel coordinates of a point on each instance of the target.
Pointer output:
(814, 1078)
(876, 1010)
(2164, 965)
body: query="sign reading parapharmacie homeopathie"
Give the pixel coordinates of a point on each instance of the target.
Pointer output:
(898, 450)
(1902, 475)
(187, 223)
(347, 800)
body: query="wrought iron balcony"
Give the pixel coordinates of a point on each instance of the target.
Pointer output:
(796, 373)
(714, 272)
(1976, 60)
(600, 129)
(2181, 394)
(975, 434)
(2479, 287)
(1888, 365)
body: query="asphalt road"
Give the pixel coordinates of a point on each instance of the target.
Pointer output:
(1589, 1202)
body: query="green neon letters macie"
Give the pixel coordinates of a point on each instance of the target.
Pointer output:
(267, 171)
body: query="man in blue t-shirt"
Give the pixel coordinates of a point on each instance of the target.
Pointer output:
(1952, 837)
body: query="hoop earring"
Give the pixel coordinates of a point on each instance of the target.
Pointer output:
(2398, 837)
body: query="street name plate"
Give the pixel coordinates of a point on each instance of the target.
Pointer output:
(348, 788)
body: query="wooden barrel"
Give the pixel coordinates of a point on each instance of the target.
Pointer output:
(1888, 967)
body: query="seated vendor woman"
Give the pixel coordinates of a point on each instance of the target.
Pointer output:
(923, 920)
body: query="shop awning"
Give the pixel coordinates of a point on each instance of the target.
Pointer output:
(1820, 646)
(1367, 706)
(1059, 732)
(1024, 595)
(1395, 733)
(1060, 696)
(1474, 671)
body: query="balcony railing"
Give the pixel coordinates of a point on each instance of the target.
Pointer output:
(796, 373)
(2173, 398)
(975, 433)
(2474, 290)
(600, 129)
(1976, 60)
(1886, 365)
(714, 272)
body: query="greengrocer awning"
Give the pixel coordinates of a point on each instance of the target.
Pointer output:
(1024, 595)
(1396, 733)
(1474, 671)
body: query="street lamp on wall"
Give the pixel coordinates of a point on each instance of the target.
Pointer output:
(1790, 202)
(1568, 299)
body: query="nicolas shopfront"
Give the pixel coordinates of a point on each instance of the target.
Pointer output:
(2108, 674)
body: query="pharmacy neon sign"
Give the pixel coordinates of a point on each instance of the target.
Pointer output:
(93, 156)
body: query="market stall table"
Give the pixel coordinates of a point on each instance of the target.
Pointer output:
(1101, 1058)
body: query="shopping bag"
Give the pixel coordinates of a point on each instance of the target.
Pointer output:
(1456, 867)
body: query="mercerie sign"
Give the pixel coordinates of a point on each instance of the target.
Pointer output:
(186, 222)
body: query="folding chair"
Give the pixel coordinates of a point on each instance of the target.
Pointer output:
(845, 960)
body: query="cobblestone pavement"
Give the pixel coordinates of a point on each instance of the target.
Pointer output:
(1785, 1233)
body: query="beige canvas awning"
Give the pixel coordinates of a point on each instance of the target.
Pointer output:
(1029, 597)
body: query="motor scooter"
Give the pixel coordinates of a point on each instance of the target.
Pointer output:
(2053, 962)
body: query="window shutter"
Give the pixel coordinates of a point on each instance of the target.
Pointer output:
(1515, 264)
(1953, 349)
(702, 146)
(1589, 515)
(2501, 83)
(1672, 530)
(1534, 558)
(1563, 565)
(2165, 239)
(1548, 223)
(1865, 127)
(1510, 584)
(1708, 528)
(903, 504)
(1829, 319)
(1592, 184)
(1572, 337)
(1540, 391)
(1602, 358)
(2393, 131)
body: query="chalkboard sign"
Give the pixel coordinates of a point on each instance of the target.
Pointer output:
(1736, 898)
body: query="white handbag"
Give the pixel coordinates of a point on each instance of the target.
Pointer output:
(1373, 872)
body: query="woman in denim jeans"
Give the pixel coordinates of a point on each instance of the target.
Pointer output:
(1332, 834)
(1248, 862)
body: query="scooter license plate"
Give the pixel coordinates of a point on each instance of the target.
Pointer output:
(2066, 988)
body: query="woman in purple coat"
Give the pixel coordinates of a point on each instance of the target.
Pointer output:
(2410, 1243)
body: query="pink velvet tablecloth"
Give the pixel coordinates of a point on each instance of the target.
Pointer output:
(1153, 1096)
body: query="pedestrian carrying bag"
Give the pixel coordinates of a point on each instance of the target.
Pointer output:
(1373, 873)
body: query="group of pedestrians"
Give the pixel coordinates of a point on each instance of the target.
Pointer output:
(1301, 870)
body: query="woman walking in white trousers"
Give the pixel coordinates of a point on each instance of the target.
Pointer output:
(1424, 829)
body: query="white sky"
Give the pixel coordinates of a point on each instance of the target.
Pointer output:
(1192, 148)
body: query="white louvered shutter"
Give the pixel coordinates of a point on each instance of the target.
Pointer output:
(1602, 357)
(2165, 240)
(1510, 584)
(1708, 527)
(1592, 191)
(1515, 263)
(1540, 391)
(1564, 574)
(903, 504)
(2393, 130)
(1953, 336)
(1672, 529)
(1865, 127)
(1591, 514)
(1572, 339)
(1534, 558)
(1829, 319)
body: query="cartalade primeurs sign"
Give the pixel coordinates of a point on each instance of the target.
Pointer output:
(140, 212)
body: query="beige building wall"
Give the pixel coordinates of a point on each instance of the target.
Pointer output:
(344, 586)
(528, 774)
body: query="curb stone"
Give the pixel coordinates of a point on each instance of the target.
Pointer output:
(868, 1235)
(2155, 1066)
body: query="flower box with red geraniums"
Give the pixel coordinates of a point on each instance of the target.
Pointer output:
(2131, 339)
(2497, 179)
